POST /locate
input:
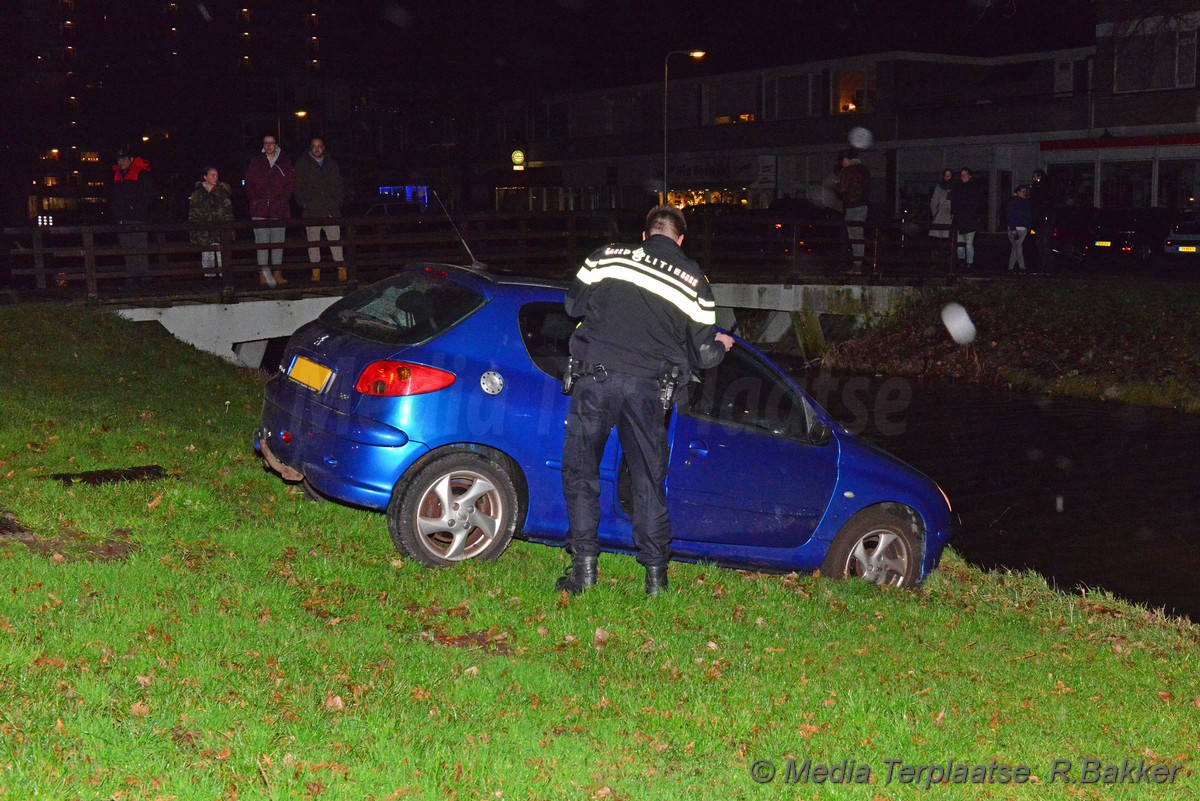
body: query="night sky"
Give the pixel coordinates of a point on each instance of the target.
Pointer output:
(536, 47)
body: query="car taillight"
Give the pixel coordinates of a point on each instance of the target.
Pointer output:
(390, 379)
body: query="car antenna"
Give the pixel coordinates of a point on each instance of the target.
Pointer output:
(476, 264)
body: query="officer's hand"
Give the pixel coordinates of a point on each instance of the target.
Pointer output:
(725, 340)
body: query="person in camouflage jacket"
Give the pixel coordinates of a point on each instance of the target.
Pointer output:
(209, 203)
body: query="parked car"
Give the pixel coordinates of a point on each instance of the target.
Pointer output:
(1183, 240)
(434, 396)
(799, 226)
(1074, 229)
(1135, 234)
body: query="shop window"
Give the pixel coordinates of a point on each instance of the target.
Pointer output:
(1178, 184)
(1125, 185)
(854, 91)
(1160, 60)
(793, 97)
(1073, 184)
(731, 101)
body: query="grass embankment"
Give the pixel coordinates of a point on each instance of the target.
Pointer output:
(1130, 341)
(216, 635)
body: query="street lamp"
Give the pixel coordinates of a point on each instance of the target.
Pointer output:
(697, 54)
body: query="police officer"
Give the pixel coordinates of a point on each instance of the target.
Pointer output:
(648, 319)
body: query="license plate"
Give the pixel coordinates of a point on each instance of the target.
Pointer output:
(309, 373)
(1187, 248)
(1104, 243)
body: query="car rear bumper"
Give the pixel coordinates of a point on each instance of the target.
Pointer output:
(339, 455)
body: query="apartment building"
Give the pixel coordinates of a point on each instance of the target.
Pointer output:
(1117, 124)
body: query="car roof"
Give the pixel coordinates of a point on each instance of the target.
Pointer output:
(482, 274)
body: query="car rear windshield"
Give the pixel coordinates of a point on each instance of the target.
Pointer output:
(405, 309)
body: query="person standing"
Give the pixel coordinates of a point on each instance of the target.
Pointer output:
(1042, 203)
(209, 203)
(130, 196)
(854, 190)
(966, 201)
(269, 183)
(940, 211)
(320, 192)
(649, 318)
(1020, 220)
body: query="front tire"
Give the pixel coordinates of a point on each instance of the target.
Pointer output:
(877, 546)
(459, 507)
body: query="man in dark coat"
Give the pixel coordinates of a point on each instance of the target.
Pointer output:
(968, 207)
(854, 190)
(130, 196)
(1042, 203)
(320, 192)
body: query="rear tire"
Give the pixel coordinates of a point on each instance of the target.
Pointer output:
(459, 507)
(877, 546)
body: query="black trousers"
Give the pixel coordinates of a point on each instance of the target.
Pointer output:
(632, 405)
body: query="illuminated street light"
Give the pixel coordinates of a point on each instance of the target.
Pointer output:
(697, 54)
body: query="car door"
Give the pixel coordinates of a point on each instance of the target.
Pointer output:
(741, 467)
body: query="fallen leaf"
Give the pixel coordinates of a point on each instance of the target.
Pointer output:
(139, 709)
(144, 681)
(154, 503)
(334, 703)
(601, 638)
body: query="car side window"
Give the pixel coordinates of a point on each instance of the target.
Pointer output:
(742, 390)
(546, 331)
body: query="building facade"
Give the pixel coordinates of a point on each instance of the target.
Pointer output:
(1117, 124)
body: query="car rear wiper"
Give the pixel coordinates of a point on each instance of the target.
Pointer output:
(348, 316)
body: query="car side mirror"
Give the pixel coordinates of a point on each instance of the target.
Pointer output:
(819, 433)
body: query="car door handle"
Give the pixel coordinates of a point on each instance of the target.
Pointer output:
(698, 447)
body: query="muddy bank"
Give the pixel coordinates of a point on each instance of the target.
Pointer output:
(1122, 340)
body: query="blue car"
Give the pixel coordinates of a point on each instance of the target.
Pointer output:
(434, 396)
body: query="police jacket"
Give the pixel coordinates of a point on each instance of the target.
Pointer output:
(646, 308)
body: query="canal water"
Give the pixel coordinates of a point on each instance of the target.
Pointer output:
(1086, 493)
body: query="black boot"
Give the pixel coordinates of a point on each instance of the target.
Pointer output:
(656, 579)
(580, 576)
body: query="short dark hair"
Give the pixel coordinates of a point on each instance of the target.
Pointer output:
(666, 220)
(1039, 173)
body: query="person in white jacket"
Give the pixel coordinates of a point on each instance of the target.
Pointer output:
(939, 206)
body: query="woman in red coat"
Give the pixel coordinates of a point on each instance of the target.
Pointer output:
(269, 183)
